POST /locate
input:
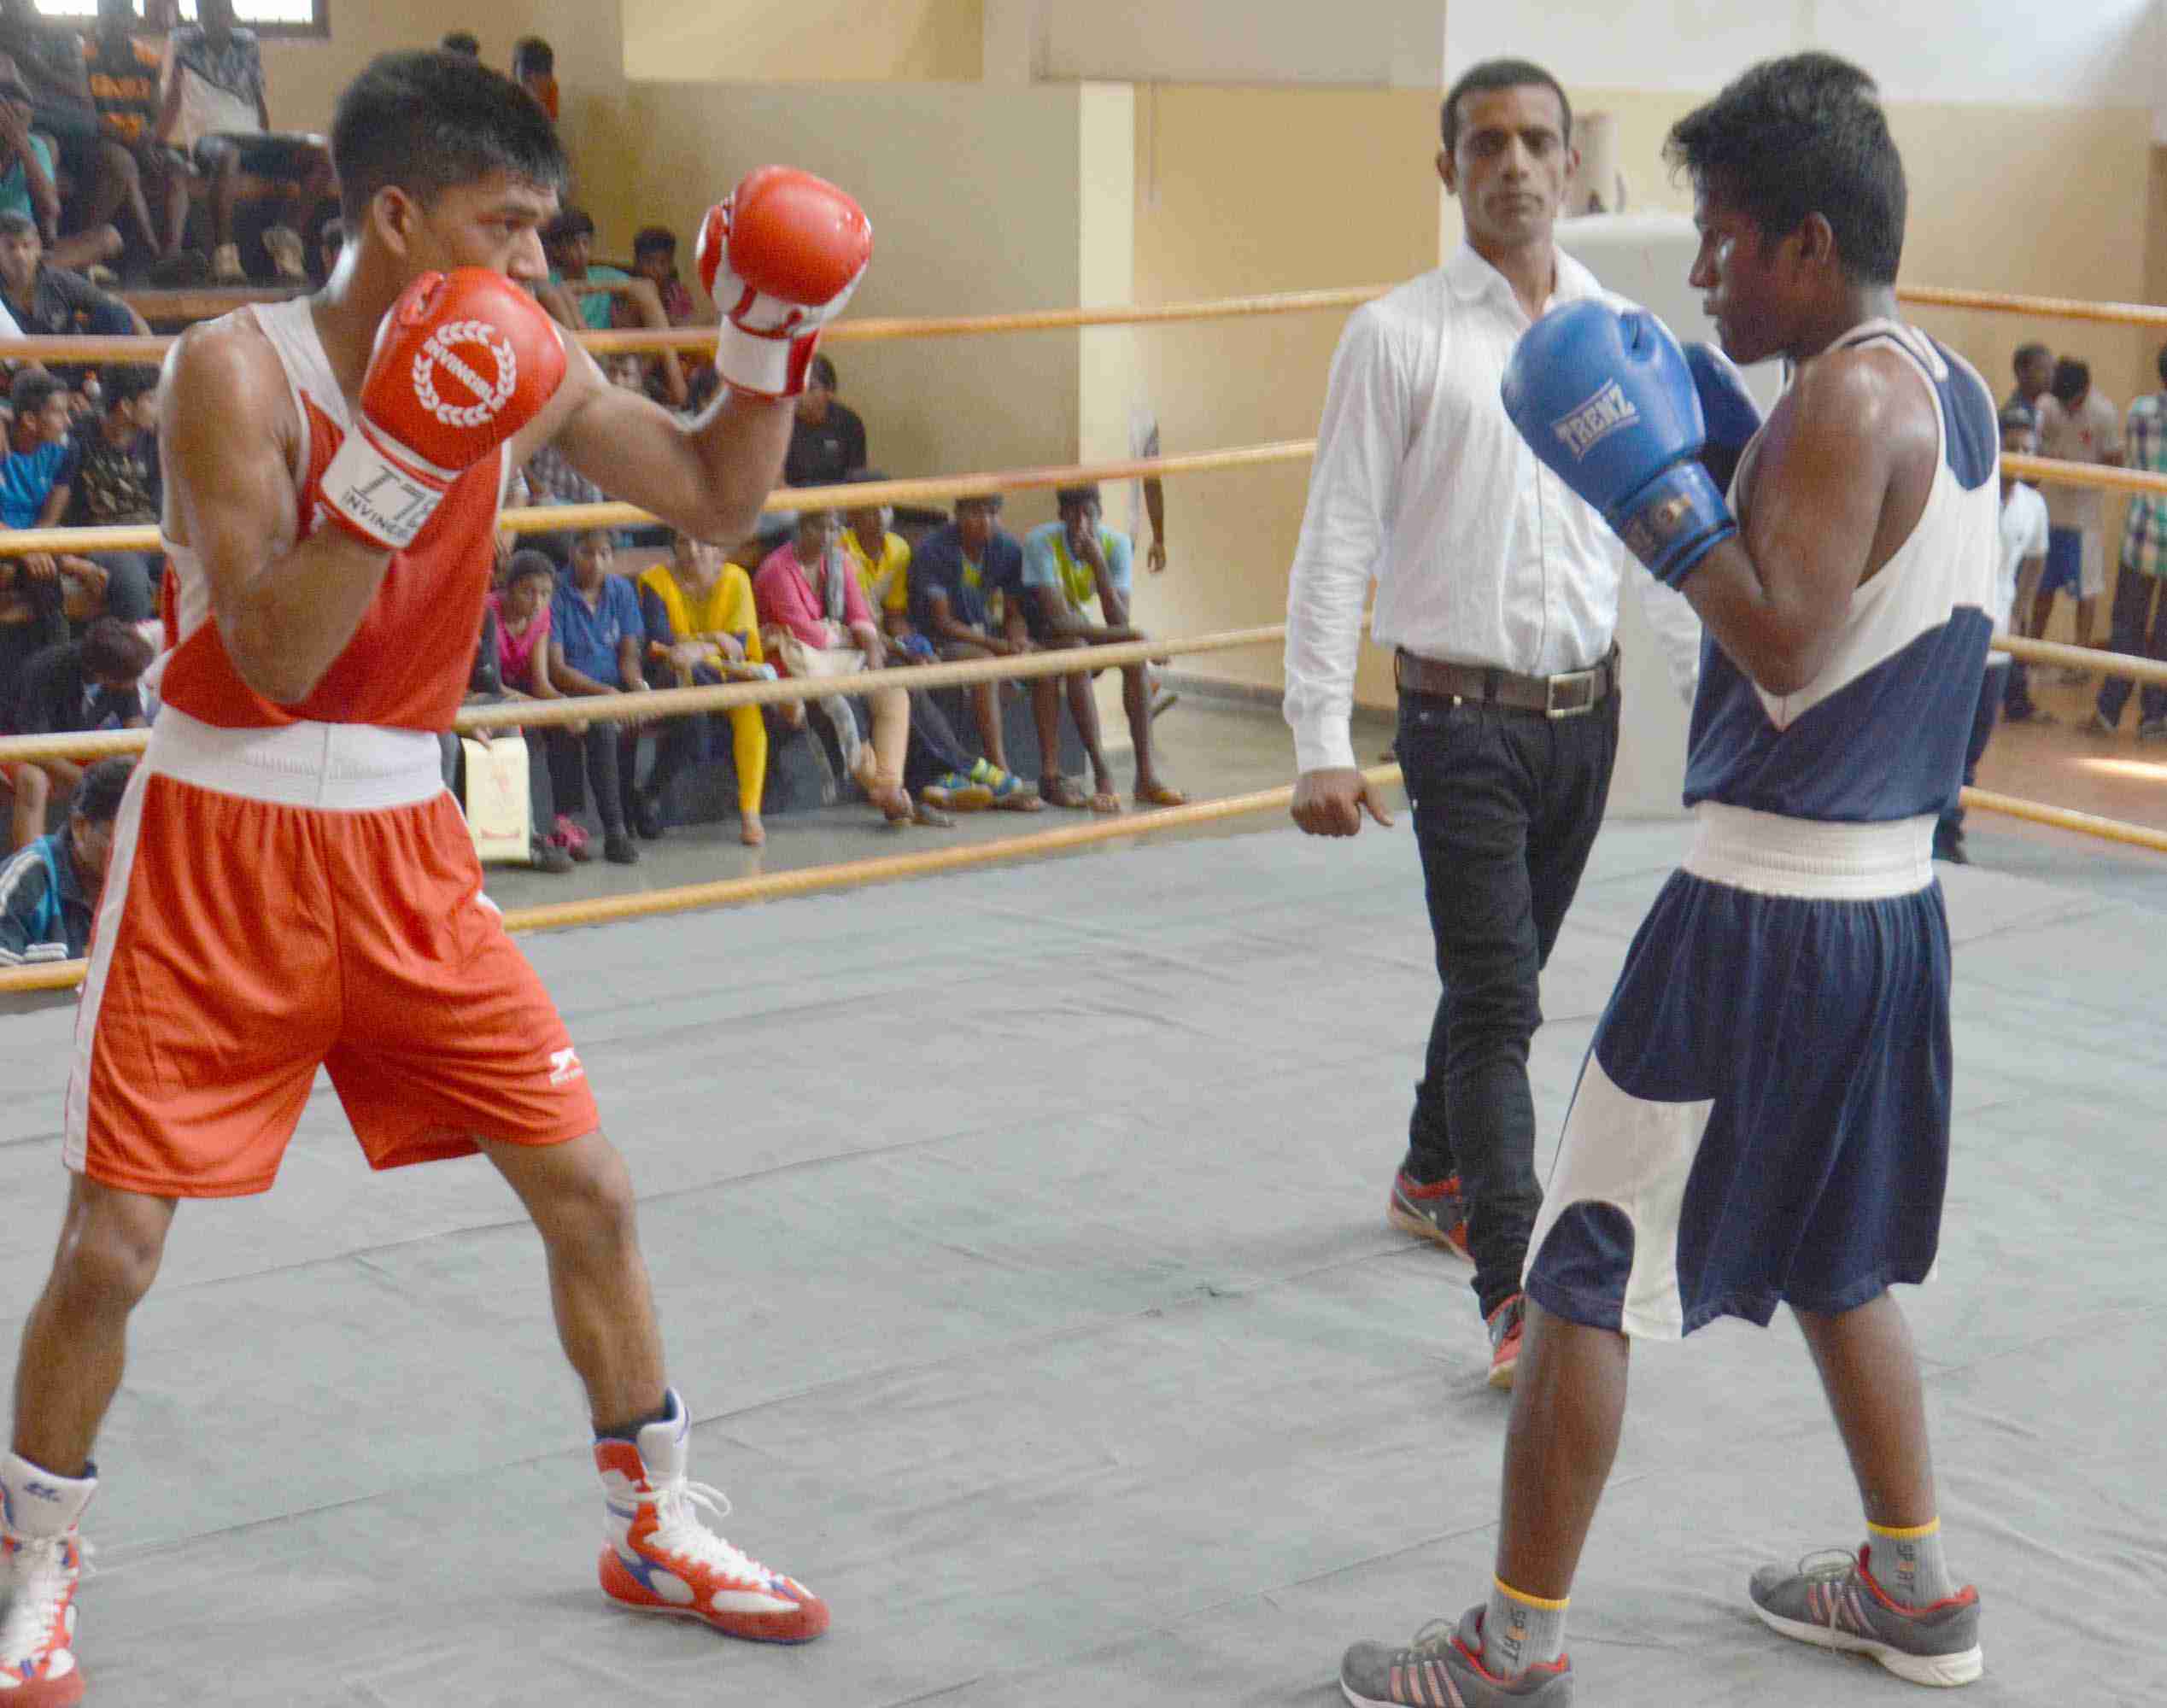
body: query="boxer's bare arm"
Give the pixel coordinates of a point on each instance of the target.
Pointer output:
(708, 478)
(1841, 478)
(227, 425)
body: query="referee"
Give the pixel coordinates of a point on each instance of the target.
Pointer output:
(1498, 590)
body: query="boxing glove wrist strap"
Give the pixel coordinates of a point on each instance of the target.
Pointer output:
(385, 503)
(1674, 521)
(771, 366)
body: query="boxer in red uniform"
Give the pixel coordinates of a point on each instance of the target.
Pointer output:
(290, 885)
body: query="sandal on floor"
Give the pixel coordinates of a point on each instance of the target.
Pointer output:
(1160, 794)
(1105, 803)
(1062, 792)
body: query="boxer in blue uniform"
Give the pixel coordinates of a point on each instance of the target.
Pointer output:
(1763, 1117)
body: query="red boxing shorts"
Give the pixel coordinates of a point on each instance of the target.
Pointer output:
(282, 899)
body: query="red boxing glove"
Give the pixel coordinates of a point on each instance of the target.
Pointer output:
(463, 361)
(781, 257)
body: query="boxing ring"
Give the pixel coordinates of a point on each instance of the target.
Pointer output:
(1033, 1298)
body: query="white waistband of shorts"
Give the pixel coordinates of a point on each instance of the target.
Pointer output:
(336, 767)
(1816, 859)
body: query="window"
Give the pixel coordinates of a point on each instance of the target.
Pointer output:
(265, 17)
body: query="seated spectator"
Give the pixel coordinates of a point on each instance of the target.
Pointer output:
(46, 301)
(534, 69)
(486, 685)
(1067, 565)
(47, 62)
(519, 630)
(568, 240)
(77, 686)
(123, 69)
(462, 42)
(36, 475)
(703, 626)
(966, 582)
(116, 483)
(828, 438)
(881, 557)
(48, 891)
(218, 111)
(811, 610)
(597, 643)
(33, 617)
(654, 259)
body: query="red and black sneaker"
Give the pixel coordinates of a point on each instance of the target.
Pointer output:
(1437, 1211)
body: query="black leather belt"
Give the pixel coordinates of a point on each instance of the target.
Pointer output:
(1574, 694)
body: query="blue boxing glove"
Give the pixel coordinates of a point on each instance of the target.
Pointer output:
(1732, 416)
(1607, 400)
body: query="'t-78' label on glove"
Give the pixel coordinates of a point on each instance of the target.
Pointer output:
(376, 498)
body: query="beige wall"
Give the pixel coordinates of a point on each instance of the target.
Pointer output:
(925, 41)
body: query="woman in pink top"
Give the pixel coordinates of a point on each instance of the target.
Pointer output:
(814, 621)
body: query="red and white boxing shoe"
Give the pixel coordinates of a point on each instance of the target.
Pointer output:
(41, 1564)
(661, 1558)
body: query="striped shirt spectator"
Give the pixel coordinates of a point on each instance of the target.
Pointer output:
(2144, 536)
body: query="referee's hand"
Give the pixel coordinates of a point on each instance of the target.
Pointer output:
(1332, 802)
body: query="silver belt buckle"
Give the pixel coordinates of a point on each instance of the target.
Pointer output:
(1583, 680)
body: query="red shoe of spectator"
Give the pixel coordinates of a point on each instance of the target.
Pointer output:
(571, 838)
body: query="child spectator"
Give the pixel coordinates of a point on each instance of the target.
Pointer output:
(77, 686)
(218, 110)
(534, 69)
(827, 438)
(966, 584)
(2077, 424)
(596, 644)
(123, 70)
(654, 258)
(703, 626)
(517, 635)
(1067, 565)
(48, 891)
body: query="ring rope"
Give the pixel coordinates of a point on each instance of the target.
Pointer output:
(570, 518)
(661, 703)
(876, 328)
(61, 975)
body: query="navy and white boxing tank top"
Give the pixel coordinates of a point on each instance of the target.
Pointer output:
(1880, 733)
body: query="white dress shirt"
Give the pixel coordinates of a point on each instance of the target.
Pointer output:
(1481, 555)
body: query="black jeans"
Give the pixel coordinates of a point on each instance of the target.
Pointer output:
(2140, 627)
(1506, 807)
(933, 750)
(574, 759)
(1992, 690)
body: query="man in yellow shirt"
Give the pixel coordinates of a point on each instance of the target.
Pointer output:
(701, 628)
(882, 559)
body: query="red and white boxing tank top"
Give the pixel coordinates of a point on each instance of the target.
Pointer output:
(408, 663)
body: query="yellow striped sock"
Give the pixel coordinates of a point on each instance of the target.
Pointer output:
(1520, 1630)
(1908, 1562)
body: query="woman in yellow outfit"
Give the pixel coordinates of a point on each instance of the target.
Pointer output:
(713, 632)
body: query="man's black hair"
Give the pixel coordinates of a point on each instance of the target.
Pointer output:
(13, 224)
(2027, 353)
(654, 240)
(529, 562)
(462, 42)
(32, 390)
(1801, 136)
(532, 54)
(572, 222)
(114, 648)
(2072, 379)
(97, 796)
(2162, 364)
(126, 384)
(1065, 497)
(1499, 74)
(823, 372)
(426, 121)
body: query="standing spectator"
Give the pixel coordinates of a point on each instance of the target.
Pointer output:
(654, 258)
(77, 686)
(124, 69)
(2077, 424)
(2024, 547)
(2035, 369)
(1499, 595)
(2140, 617)
(966, 600)
(462, 42)
(828, 438)
(115, 483)
(1067, 563)
(47, 60)
(534, 69)
(703, 628)
(597, 644)
(218, 110)
(48, 891)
